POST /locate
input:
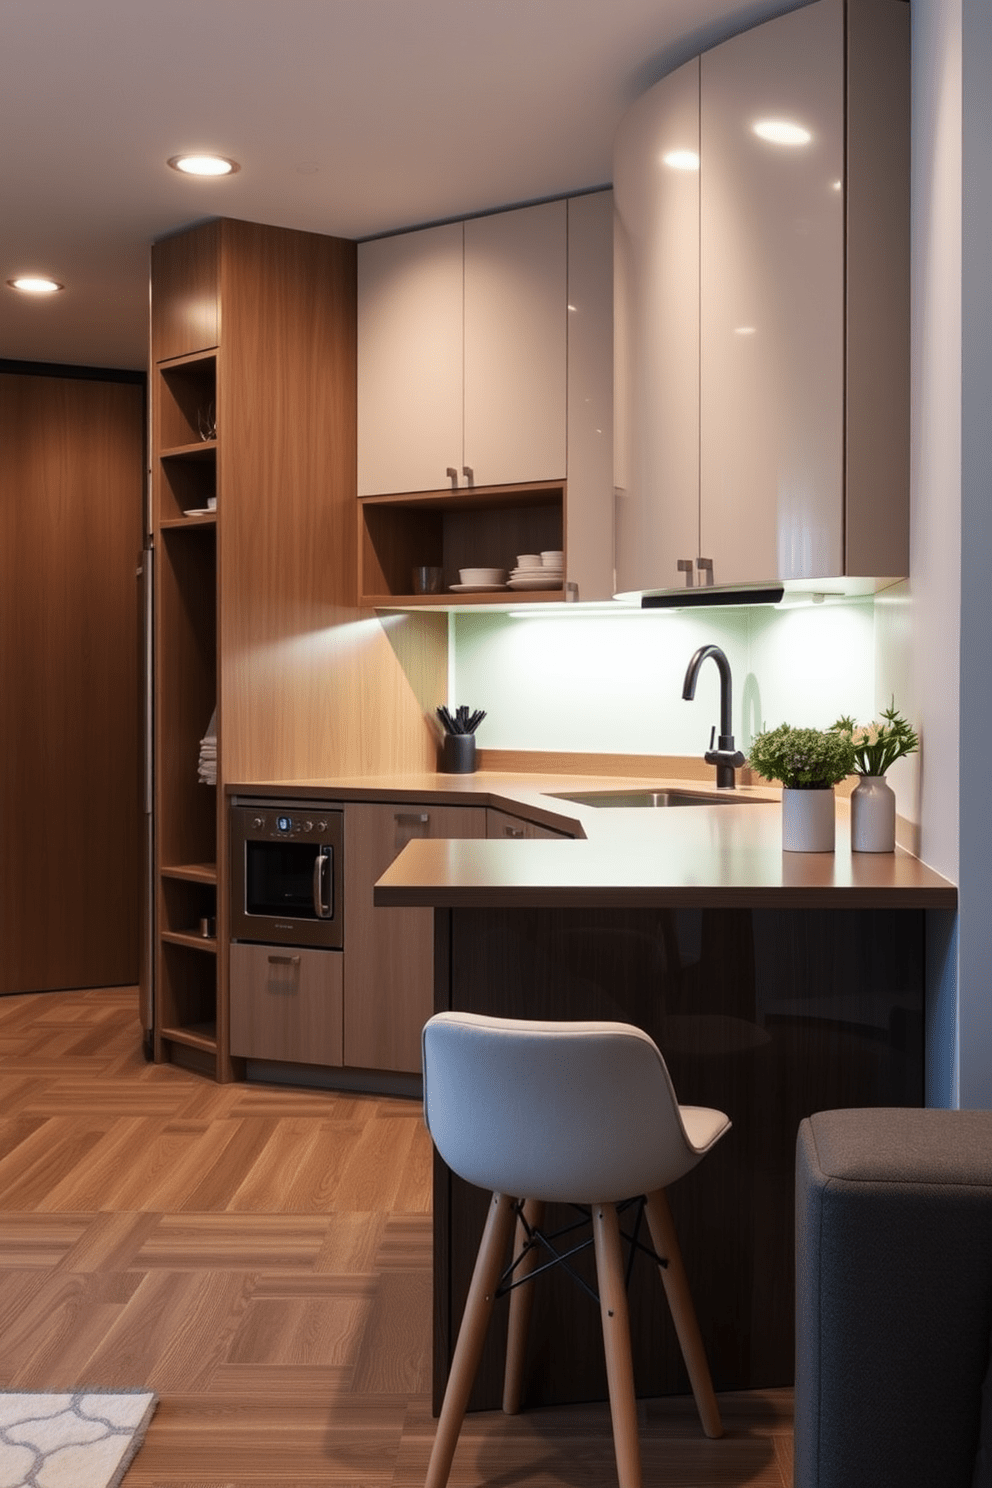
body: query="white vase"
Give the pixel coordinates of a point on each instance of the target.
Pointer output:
(873, 815)
(808, 820)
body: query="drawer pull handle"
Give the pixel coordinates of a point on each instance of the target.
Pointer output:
(284, 960)
(513, 831)
(412, 818)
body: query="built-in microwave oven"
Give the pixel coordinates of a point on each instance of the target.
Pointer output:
(287, 881)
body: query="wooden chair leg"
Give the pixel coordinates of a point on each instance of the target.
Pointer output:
(676, 1284)
(471, 1336)
(616, 1341)
(521, 1302)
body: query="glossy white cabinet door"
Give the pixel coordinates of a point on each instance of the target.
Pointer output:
(589, 526)
(772, 301)
(656, 351)
(515, 345)
(410, 361)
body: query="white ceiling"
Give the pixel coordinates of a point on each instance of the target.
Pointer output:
(349, 117)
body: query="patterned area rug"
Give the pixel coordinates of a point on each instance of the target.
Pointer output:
(81, 1439)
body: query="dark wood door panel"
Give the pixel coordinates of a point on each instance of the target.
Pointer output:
(71, 482)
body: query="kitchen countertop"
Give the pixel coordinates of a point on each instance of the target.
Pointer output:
(728, 854)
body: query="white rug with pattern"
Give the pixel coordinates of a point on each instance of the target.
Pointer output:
(80, 1439)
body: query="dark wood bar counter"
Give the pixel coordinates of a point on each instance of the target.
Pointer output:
(775, 985)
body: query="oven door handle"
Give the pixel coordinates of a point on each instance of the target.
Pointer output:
(323, 909)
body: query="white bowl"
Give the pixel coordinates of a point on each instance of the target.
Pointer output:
(482, 575)
(554, 558)
(528, 560)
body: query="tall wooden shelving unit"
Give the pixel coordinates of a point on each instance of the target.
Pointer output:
(253, 403)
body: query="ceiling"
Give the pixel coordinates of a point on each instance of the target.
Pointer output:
(348, 117)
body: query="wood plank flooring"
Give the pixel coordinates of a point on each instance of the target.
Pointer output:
(261, 1257)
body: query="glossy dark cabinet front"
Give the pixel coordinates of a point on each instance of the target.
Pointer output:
(768, 1015)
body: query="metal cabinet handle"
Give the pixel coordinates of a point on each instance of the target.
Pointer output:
(411, 818)
(684, 565)
(284, 960)
(468, 473)
(452, 475)
(705, 565)
(323, 908)
(513, 832)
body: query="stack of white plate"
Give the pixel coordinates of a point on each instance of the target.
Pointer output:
(537, 571)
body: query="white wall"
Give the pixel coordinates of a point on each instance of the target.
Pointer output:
(572, 680)
(935, 591)
(975, 712)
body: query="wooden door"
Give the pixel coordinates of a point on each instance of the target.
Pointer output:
(389, 953)
(71, 482)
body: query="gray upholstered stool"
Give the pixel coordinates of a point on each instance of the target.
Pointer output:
(573, 1113)
(893, 1298)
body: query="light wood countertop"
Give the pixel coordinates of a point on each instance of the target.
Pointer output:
(725, 855)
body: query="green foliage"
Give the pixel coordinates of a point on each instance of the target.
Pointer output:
(802, 759)
(879, 745)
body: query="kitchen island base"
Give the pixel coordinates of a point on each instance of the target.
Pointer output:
(766, 1014)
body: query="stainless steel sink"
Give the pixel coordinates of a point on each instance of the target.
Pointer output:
(653, 798)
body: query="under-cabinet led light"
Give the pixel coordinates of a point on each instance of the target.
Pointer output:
(781, 132)
(35, 284)
(203, 165)
(683, 160)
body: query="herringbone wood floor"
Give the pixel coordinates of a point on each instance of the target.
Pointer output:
(261, 1257)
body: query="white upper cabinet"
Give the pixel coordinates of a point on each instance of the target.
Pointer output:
(761, 372)
(410, 360)
(516, 316)
(462, 340)
(771, 384)
(656, 327)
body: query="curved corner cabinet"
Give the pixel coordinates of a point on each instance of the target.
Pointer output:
(253, 480)
(761, 201)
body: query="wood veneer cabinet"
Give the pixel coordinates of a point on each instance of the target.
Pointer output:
(253, 404)
(389, 953)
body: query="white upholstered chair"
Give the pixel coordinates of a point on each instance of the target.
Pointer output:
(575, 1113)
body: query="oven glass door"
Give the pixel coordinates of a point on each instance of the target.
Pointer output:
(289, 880)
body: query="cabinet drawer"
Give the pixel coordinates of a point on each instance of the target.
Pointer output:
(286, 1003)
(503, 824)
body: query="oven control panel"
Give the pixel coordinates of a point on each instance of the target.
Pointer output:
(281, 824)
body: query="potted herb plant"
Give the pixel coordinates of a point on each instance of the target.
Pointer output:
(808, 762)
(877, 745)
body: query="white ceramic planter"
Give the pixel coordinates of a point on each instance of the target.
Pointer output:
(808, 820)
(873, 815)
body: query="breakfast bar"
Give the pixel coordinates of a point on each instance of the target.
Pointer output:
(775, 984)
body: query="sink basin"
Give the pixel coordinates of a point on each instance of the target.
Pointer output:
(652, 798)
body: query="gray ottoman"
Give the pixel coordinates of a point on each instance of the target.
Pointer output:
(893, 1299)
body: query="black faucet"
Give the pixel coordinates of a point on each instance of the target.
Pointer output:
(725, 757)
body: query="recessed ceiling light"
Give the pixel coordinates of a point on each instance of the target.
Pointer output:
(684, 160)
(782, 132)
(35, 284)
(204, 165)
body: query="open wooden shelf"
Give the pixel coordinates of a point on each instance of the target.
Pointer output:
(197, 1036)
(481, 527)
(205, 873)
(193, 939)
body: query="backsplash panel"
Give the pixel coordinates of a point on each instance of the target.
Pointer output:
(577, 680)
